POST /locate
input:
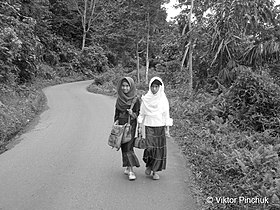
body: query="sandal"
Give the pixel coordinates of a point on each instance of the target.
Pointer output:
(131, 176)
(155, 176)
(126, 171)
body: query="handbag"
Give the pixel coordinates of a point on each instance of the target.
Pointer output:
(120, 133)
(127, 127)
(115, 137)
(140, 141)
(126, 132)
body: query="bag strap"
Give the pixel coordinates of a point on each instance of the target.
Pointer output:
(143, 128)
(131, 107)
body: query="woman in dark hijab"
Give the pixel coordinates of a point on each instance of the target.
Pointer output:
(126, 93)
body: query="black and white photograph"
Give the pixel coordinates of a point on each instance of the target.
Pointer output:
(139, 105)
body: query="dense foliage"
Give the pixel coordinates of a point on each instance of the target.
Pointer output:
(253, 102)
(229, 159)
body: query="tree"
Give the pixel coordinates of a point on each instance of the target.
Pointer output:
(129, 29)
(153, 11)
(65, 22)
(188, 47)
(147, 47)
(229, 32)
(87, 13)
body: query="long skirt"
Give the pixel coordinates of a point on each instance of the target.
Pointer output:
(128, 156)
(155, 154)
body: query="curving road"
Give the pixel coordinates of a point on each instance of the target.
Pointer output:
(63, 162)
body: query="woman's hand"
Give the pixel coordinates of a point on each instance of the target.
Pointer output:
(167, 134)
(140, 128)
(130, 112)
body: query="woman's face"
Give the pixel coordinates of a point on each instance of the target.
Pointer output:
(125, 87)
(154, 88)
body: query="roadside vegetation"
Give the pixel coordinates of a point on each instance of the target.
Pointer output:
(221, 73)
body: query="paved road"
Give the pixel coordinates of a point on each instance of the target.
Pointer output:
(63, 162)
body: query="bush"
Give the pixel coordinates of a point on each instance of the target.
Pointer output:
(18, 50)
(109, 80)
(227, 162)
(93, 60)
(173, 75)
(17, 107)
(254, 102)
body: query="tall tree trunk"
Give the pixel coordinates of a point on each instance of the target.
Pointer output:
(190, 52)
(190, 70)
(87, 13)
(184, 56)
(84, 22)
(186, 47)
(84, 40)
(147, 48)
(138, 66)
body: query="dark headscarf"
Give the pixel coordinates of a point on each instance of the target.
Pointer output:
(156, 82)
(124, 100)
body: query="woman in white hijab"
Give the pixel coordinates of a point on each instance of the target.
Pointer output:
(154, 115)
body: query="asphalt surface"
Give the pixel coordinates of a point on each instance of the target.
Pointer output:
(64, 163)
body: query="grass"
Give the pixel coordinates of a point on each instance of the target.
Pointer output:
(18, 107)
(20, 104)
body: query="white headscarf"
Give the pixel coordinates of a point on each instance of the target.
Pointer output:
(154, 104)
